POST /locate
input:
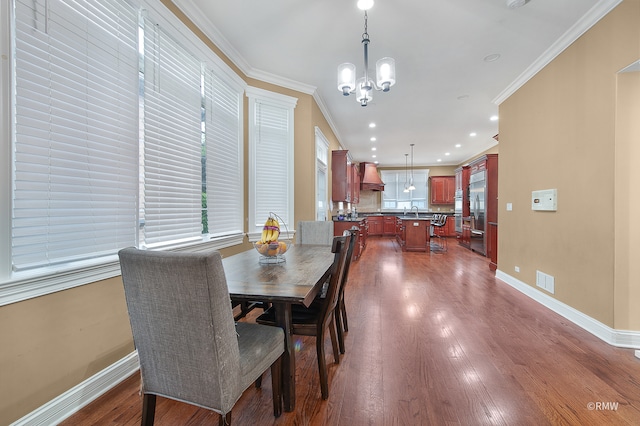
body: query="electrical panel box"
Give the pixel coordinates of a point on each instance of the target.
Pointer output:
(544, 200)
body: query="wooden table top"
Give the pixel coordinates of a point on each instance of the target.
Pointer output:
(297, 280)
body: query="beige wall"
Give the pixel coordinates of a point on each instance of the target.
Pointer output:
(51, 343)
(559, 131)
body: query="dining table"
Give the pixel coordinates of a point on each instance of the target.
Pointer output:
(295, 278)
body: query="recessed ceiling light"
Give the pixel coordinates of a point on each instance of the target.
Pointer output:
(472, 134)
(447, 153)
(463, 97)
(375, 162)
(493, 118)
(373, 139)
(492, 58)
(373, 156)
(458, 145)
(365, 4)
(439, 160)
(372, 125)
(373, 148)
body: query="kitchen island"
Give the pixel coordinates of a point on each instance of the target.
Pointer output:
(413, 233)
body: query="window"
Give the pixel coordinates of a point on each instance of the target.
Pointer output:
(126, 130)
(322, 160)
(270, 159)
(395, 181)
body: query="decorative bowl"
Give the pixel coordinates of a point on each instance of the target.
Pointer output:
(272, 252)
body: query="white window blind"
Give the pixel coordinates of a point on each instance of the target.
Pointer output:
(271, 150)
(172, 205)
(76, 131)
(224, 180)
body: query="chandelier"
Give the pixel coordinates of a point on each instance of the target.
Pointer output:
(411, 185)
(363, 87)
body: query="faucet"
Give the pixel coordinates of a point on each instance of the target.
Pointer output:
(416, 207)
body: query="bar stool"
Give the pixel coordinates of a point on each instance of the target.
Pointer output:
(439, 240)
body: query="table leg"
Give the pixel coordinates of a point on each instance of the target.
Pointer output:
(283, 320)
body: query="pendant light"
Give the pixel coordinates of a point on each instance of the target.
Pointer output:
(411, 185)
(406, 185)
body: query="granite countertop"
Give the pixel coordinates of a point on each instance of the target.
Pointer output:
(408, 216)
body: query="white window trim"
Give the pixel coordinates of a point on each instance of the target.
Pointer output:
(256, 94)
(16, 287)
(320, 138)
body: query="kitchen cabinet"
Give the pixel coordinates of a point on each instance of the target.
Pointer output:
(465, 237)
(376, 226)
(449, 228)
(389, 226)
(443, 189)
(462, 185)
(341, 176)
(339, 226)
(355, 184)
(400, 232)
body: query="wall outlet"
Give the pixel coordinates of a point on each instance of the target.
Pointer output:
(517, 268)
(509, 207)
(545, 281)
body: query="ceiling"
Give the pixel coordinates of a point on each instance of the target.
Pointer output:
(447, 88)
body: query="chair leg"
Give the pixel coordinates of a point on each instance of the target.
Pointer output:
(339, 327)
(343, 308)
(334, 340)
(225, 420)
(322, 366)
(276, 386)
(148, 409)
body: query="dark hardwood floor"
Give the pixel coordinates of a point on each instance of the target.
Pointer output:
(434, 339)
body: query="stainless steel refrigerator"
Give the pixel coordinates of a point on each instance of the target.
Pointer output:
(477, 204)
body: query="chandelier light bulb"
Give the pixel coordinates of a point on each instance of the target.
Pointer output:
(386, 73)
(346, 78)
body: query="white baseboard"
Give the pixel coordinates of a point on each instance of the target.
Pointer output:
(63, 406)
(619, 338)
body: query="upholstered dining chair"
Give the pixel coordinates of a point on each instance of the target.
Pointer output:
(315, 232)
(319, 318)
(189, 347)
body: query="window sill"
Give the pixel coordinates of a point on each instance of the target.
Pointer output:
(27, 285)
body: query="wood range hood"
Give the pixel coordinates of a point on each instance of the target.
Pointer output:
(369, 178)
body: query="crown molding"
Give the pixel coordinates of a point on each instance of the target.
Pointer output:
(206, 26)
(597, 12)
(268, 77)
(327, 116)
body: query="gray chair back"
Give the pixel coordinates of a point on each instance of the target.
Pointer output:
(183, 327)
(315, 232)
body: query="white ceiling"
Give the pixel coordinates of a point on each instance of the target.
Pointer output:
(445, 89)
